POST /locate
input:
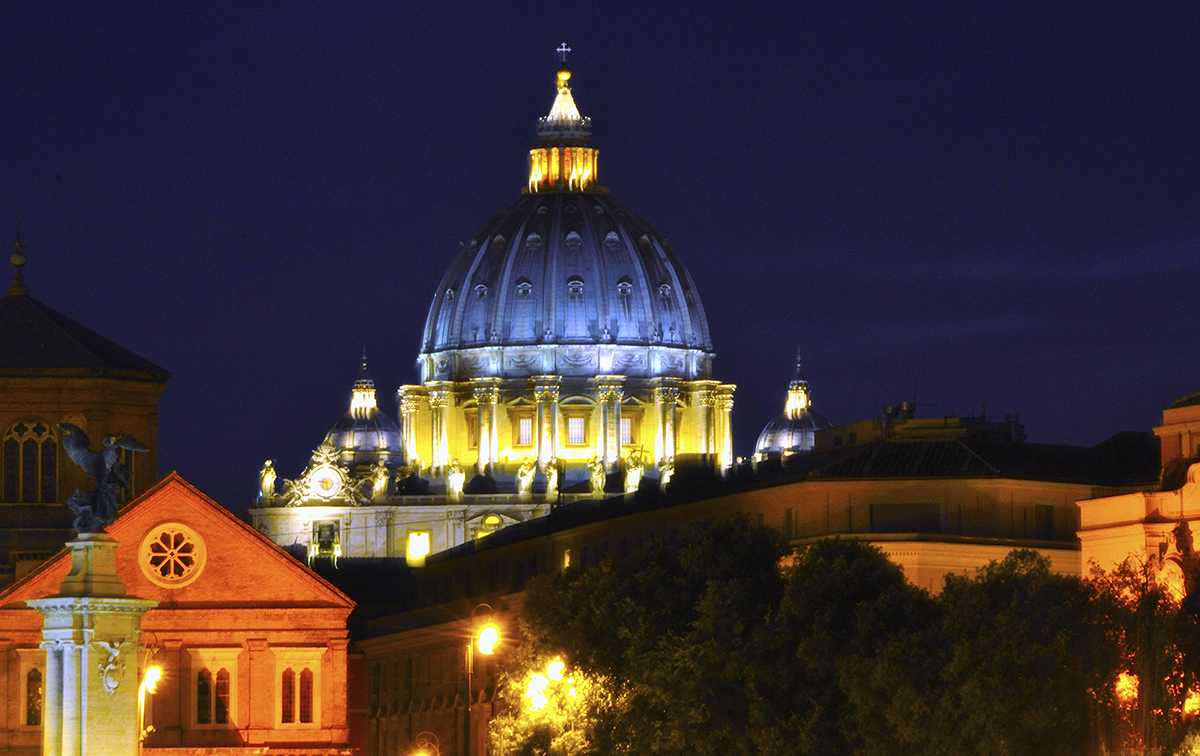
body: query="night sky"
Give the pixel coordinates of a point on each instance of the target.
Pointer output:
(977, 205)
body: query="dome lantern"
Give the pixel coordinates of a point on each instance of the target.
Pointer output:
(564, 159)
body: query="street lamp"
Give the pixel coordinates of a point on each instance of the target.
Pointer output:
(149, 685)
(487, 638)
(426, 745)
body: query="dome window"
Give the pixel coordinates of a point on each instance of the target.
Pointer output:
(611, 242)
(480, 291)
(524, 289)
(574, 241)
(498, 241)
(450, 294)
(533, 243)
(575, 286)
(664, 291)
(624, 288)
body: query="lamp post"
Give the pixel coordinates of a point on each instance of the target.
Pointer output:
(149, 685)
(487, 638)
(426, 745)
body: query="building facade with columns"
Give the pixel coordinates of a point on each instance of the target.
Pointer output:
(566, 354)
(566, 334)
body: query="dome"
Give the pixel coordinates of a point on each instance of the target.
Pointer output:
(795, 430)
(364, 434)
(565, 281)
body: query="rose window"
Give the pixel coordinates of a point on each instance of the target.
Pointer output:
(172, 555)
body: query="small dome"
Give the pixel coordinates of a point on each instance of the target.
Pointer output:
(796, 429)
(365, 435)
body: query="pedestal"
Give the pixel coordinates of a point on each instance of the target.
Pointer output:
(92, 636)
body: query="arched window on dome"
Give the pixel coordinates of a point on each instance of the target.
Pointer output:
(576, 315)
(522, 325)
(480, 291)
(30, 463)
(625, 306)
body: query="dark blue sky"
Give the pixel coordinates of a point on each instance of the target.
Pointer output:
(976, 204)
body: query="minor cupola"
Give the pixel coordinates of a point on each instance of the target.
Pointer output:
(564, 159)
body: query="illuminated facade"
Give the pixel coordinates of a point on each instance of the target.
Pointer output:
(566, 335)
(358, 498)
(796, 429)
(251, 644)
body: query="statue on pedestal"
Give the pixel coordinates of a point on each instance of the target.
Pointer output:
(633, 473)
(596, 467)
(266, 483)
(455, 478)
(96, 509)
(665, 470)
(525, 479)
(551, 473)
(379, 481)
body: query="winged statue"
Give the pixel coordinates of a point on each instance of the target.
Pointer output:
(97, 508)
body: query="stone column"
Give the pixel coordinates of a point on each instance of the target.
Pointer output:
(704, 399)
(487, 397)
(439, 403)
(409, 401)
(666, 398)
(610, 393)
(545, 393)
(92, 631)
(724, 411)
(383, 527)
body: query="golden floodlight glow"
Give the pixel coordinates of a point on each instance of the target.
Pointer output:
(150, 681)
(1126, 687)
(554, 670)
(797, 402)
(488, 638)
(418, 544)
(536, 692)
(1191, 704)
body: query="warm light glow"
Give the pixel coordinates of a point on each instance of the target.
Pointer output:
(1191, 704)
(1126, 687)
(150, 681)
(797, 402)
(488, 638)
(418, 544)
(536, 692)
(362, 401)
(554, 670)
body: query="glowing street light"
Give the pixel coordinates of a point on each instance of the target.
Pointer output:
(149, 685)
(554, 670)
(489, 636)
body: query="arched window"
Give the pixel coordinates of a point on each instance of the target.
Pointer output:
(204, 697)
(576, 316)
(30, 463)
(221, 710)
(306, 696)
(287, 690)
(33, 698)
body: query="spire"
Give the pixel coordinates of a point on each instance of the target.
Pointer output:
(564, 158)
(18, 260)
(798, 399)
(362, 399)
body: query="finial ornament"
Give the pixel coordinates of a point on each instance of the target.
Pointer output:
(562, 52)
(18, 260)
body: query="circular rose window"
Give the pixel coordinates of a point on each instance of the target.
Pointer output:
(172, 555)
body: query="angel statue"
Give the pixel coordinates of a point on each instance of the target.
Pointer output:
(97, 508)
(455, 477)
(633, 473)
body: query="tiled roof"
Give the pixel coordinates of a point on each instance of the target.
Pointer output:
(33, 336)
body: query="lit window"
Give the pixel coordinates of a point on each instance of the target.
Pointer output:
(525, 431)
(575, 431)
(626, 430)
(204, 697)
(221, 707)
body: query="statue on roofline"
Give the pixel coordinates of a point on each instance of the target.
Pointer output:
(96, 509)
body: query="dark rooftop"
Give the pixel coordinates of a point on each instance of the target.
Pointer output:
(34, 336)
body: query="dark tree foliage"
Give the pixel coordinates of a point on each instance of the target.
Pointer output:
(723, 644)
